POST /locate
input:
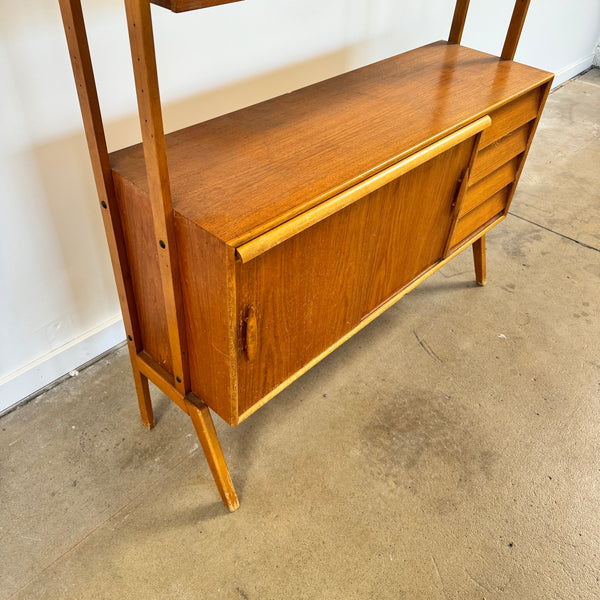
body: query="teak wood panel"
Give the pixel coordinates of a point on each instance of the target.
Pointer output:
(500, 152)
(142, 257)
(208, 287)
(279, 234)
(491, 184)
(259, 167)
(492, 208)
(214, 379)
(512, 115)
(207, 266)
(314, 288)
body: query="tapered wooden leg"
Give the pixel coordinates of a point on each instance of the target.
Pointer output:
(479, 260)
(205, 429)
(143, 395)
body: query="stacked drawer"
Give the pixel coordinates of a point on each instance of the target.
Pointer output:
(498, 164)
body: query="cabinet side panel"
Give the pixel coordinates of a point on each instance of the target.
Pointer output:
(314, 288)
(142, 255)
(208, 289)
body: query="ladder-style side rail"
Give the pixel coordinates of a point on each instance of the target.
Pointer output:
(513, 33)
(155, 153)
(83, 74)
(139, 21)
(141, 39)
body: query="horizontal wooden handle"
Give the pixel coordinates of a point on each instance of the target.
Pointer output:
(290, 228)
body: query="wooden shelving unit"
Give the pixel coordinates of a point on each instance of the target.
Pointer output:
(248, 247)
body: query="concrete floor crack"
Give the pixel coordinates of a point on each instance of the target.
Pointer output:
(555, 232)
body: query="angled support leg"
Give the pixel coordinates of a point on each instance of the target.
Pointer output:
(205, 429)
(143, 396)
(479, 260)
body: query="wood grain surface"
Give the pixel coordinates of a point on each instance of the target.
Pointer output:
(458, 21)
(500, 152)
(512, 115)
(492, 208)
(83, 74)
(142, 260)
(240, 175)
(513, 35)
(213, 326)
(141, 39)
(488, 186)
(317, 213)
(312, 289)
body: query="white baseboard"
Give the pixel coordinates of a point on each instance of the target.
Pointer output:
(569, 72)
(32, 378)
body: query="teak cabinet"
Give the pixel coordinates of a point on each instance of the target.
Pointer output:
(248, 247)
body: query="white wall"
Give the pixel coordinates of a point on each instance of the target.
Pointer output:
(58, 305)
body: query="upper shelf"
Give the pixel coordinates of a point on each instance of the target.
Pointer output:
(244, 173)
(183, 5)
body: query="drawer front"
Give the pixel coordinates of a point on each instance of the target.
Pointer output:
(314, 288)
(511, 116)
(496, 169)
(490, 185)
(480, 216)
(499, 153)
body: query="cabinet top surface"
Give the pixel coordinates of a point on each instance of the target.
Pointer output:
(244, 173)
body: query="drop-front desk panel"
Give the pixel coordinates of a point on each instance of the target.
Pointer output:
(299, 219)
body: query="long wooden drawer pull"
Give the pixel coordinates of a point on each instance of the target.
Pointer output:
(250, 333)
(290, 228)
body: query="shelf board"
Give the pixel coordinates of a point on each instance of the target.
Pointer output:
(184, 5)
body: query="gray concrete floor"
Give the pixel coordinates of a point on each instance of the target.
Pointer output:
(464, 465)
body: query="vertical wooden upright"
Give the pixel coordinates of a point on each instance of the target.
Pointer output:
(508, 53)
(83, 73)
(514, 29)
(175, 385)
(458, 21)
(513, 34)
(143, 57)
(139, 22)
